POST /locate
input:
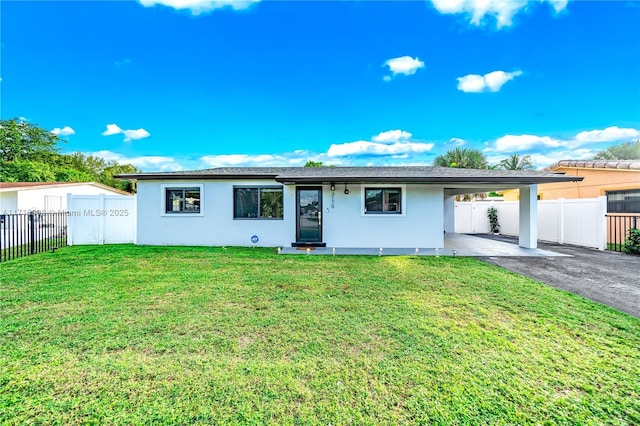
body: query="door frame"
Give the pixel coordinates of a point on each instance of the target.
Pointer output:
(303, 188)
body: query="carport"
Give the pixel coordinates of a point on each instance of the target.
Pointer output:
(528, 219)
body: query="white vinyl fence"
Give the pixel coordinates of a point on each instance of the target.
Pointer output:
(101, 219)
(580, 222)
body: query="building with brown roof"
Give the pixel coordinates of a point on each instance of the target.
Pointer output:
(619, 180)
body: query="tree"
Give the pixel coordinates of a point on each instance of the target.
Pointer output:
(625, 151)
(25, 141)
(25, 171)
(311, 163)
(516, 162)
(464, 158)
(29, 153)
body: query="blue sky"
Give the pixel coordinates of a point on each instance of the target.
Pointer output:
(188, 84)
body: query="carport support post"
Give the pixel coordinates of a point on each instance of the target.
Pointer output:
(528, 234)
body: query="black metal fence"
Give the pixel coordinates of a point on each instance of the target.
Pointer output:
(31, 233)
(618, 225)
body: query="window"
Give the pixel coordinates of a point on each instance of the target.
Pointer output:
(182, 200)
(257, 202)
(623, 201)
(382, 201)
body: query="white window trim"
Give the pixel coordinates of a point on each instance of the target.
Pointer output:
(180, 185)
(403, 206)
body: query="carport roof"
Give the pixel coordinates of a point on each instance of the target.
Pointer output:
(393, 174)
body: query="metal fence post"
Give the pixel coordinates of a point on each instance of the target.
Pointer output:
(32, 231)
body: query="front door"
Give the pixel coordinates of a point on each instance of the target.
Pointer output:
(309, 212)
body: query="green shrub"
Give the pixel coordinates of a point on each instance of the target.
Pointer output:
(632, 244)
(492, 214)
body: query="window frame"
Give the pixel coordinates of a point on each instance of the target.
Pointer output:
(164, 188)
(628, 201)
(259, 188)
(384, 187)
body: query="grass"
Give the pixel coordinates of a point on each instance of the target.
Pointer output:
(40, 246)
(130, 335)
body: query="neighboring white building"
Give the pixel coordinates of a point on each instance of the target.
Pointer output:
(368, 207)
(21, 197)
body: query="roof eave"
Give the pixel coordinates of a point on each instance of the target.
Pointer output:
(175, 176)
(431, 180)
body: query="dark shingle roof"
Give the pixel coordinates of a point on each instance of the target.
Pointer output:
(407, 174)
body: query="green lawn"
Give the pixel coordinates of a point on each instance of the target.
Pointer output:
(125, 334)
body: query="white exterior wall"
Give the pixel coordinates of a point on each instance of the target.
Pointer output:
(34, 199)
(8, 202)
(215, 225)
(344, 225)
(420, 225)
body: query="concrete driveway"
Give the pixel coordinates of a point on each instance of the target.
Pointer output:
(606, 277)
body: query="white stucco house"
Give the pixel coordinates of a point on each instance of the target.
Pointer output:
(21, 197)
(367, 207)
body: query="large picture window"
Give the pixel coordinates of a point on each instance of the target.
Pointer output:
(257, 202)
(382, 201)
(182, 200)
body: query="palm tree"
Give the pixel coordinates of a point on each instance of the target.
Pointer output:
(463, 158)
(516, 162)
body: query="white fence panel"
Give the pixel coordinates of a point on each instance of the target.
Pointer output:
(549, 220)
(580, 222)
(508, 217)
(101, 219)
(464, 218)
(582, 219)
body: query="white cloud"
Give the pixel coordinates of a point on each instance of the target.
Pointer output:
(391, 136)
(547, 150)
(65, 131)
(457, 141)
(545, 159)
(197, 7)
(129, 135)
(490, 82)
(402, 65)
(502, 10)
(397, 149)
(519, 143)
(610, 134)
(257, 160)
(516, 143)
(393, 143)
(148, 163)
(112, 129)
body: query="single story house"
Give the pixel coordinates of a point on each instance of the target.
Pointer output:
(364, 207)
(618, 180)
(21, 197)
